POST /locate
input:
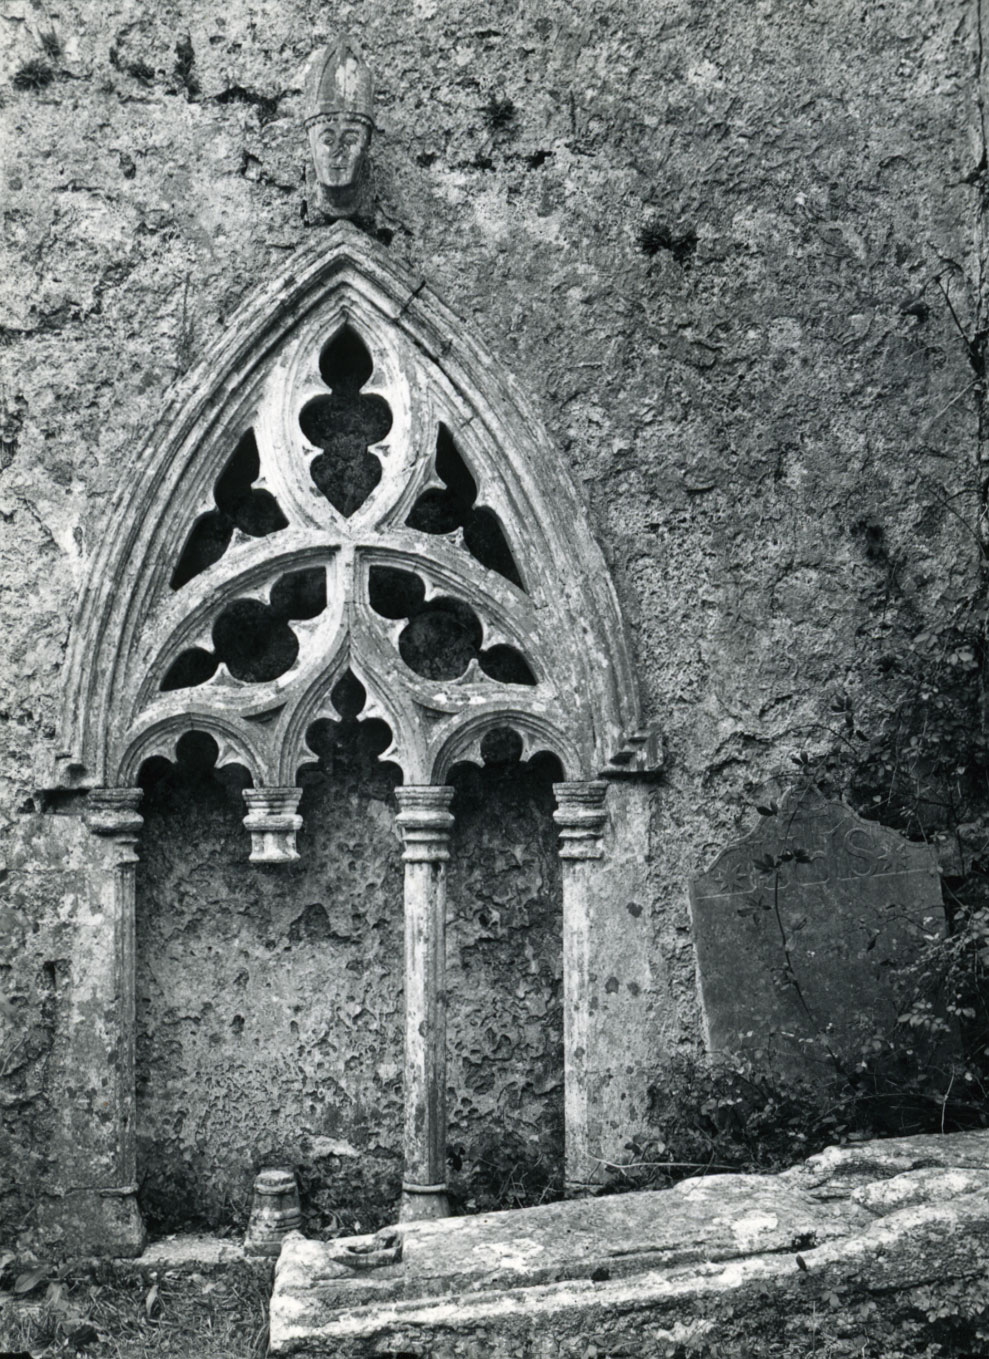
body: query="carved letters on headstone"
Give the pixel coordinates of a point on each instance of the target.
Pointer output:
(801, 954)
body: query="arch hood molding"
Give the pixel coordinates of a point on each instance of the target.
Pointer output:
(132, 690)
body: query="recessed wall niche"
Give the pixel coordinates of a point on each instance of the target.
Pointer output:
(381, 439)
(505, 982)
(270, 1001)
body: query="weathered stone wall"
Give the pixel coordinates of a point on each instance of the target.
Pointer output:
(269, 1000)
(505, 986)
(270, 1025)
(707, 238)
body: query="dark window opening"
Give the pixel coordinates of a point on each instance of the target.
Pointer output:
(444, 635)
(331, 740)
(345, 424)
(238, 505)
(253, 639)
(443, 511)
(196, 753)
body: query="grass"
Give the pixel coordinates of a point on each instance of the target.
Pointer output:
(103, 1315)
(34, 75)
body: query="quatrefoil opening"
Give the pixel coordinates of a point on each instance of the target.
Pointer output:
(239, 504)
(443, 511)
(442, 636)
(345, 424)
(253, 639)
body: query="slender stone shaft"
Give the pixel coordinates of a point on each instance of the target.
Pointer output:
(425, 822)
(99, 1161)
(581, 817)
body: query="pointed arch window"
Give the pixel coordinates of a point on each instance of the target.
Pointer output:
(348, 495)
(352, 486)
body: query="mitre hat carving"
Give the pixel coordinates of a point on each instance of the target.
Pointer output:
(340, 81)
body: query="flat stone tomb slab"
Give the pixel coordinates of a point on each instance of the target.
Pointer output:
(641, 1267)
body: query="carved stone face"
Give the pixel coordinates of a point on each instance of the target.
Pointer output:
(339, 144)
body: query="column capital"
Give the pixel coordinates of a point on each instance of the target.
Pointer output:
(273, 820)
(112, 812)
(425, 821)
(581, 816)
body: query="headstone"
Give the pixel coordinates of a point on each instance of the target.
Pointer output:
(804, 928)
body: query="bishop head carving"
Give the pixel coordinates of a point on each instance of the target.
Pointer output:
(339, 106)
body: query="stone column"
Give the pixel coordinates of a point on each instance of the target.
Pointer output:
(425, 822)
(95, 1202)
(581, 817)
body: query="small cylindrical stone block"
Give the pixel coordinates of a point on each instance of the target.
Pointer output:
(273, 822)
(275, 1211)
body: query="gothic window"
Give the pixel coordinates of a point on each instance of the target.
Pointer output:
(348, 514)
(351, 488)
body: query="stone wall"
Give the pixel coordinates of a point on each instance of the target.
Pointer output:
(269, 999)
(712, 240)
(269, 1022)
(505, 985)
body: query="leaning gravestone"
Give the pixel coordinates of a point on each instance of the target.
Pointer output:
(805, 930)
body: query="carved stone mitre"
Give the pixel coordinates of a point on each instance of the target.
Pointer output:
(339, 105)
(340, 81)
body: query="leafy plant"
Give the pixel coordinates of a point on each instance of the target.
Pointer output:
(506, 1171)
(34, 75)
(924, 769)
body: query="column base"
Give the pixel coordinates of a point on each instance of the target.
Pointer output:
(93, 1222)
(423, 1201)
(581, 1189)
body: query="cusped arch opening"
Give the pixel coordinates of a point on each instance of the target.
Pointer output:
(505, 978)
(341, 736)
(345, 424)
(269, 999)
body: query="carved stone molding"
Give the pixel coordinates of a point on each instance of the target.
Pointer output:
(273, 822)
(639, 756)
(275, 1211)
(426, 386)
(112, 813)
(581, 816)
(425, 822)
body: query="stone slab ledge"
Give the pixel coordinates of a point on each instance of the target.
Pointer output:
(707, 1264)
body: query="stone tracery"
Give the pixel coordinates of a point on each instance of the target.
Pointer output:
(424, 476)
(394, 524)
